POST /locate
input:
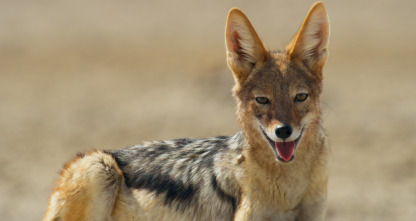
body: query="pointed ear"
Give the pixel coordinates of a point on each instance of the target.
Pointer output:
(310, 44)
(244, 47)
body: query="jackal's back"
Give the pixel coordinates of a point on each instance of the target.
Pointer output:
(186, 174)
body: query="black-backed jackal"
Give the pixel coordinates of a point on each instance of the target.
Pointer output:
(274, 169)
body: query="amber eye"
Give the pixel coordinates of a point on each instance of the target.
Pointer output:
(301, 97)
(262, 100)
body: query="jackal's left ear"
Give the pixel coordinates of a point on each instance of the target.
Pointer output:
(244, 47)
(310, 44)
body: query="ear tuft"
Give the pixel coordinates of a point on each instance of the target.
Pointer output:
(311, 42)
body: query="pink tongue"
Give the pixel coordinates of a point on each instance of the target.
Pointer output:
(285, 149)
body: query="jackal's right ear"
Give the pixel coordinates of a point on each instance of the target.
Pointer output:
(244, 47)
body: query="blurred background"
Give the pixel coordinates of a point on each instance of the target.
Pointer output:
(100, 74)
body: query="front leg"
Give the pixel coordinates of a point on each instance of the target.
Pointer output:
(313, 208)
(255, 210)
(249, 211)
(244, 211)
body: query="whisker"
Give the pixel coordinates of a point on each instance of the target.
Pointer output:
(332, 110)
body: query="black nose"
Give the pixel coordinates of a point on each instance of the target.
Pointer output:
(283, 131)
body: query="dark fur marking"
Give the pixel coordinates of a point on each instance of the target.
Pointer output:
(164, 147)
(223, 195)
(208, 159)
(116, 156)
(221, 137)
(151, 179)
(159, 183)
(181, 142)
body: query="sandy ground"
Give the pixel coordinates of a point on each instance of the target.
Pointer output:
(78, 75)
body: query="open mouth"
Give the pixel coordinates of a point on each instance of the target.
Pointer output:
(284, 151)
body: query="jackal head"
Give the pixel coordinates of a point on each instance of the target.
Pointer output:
(277, 93)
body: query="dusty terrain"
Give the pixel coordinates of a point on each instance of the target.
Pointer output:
(78, 75)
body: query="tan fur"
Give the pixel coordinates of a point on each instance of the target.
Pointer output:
(93, 186)
(80, 188)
